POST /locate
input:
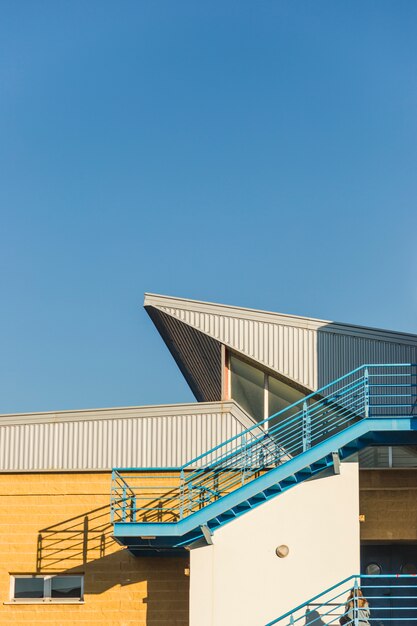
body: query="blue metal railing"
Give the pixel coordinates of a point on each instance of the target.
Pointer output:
(359, 600)
(369, 391)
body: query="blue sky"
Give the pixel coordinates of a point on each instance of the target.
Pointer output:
(260, 154)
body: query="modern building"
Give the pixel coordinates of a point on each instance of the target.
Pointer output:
(294, 470)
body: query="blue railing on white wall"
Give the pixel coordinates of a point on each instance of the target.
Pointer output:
(384, 600)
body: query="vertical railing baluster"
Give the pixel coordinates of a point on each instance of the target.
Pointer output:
(244, 459)
(190, 496)
(306, 427)
(355, 603)
(133, 509)
(413, 390)
(182, 493)
(124, 504)
(366, 391)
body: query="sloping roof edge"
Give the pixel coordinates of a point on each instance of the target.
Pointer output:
(162, 301)
(157, 410)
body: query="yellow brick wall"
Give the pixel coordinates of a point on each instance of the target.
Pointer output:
(60, 523)
(388, 500)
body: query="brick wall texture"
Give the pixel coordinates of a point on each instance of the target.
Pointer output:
(388, 499)
(60, 523)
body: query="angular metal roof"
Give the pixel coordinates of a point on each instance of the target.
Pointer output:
(310, 352)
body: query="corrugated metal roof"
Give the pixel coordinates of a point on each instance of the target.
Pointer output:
(307, 351)
(98, 440)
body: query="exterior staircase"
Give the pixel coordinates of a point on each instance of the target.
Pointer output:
(170, 510)
(392, 601)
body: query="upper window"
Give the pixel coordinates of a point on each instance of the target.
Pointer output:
(280, 397)
(248, 387)
(46, 588)
(260, 394)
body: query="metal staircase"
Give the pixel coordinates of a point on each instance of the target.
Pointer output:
(172, 509)
(392, 601)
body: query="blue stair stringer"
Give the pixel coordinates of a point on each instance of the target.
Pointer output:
(372, 405)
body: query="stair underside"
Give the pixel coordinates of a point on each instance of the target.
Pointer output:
(142, 537)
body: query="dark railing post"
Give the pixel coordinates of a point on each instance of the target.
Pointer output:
(190, 497)
(133, 509)
(306, 428)
(112, 499)
(366, 390)
(124, 504)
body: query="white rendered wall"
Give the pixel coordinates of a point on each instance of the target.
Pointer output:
(239, 581)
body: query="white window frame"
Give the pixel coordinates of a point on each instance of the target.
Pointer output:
(47, 589)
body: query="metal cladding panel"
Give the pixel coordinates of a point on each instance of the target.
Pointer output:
(101, 444)
(289, 350)
(307, 351)
(338, 354)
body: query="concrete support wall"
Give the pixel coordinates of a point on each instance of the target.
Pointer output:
(240, 581)
(60, 524)
(388, 501)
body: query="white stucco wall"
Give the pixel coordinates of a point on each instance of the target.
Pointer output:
(239, 581)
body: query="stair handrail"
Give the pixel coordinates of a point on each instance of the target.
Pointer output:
(357, 583)
(349, 400)
(278, 413)
(312, 600)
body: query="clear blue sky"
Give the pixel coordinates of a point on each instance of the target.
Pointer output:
(256, 153)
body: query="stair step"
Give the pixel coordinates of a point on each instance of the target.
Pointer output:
(243, 506)
(306, 472)
(227, 515)
(290, 480)
(214, 523)
(260, 497)
(351, 448)
(273, 490)
(321, 463)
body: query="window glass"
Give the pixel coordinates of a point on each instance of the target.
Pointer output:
(280, 397)
(66, 587)
(30, 587)
(373, 569)
(248, 387)
(388, 456)
(409, 568)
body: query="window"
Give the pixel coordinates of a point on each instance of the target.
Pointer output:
(260, 394)
(280, 397)
(26, 588)
(409, 568)
(373, 569)
(248, 384)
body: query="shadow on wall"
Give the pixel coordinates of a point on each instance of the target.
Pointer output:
(84, 544)
(75, 541)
